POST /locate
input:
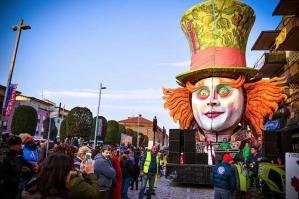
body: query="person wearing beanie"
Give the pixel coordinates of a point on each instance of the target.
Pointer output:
(223, 178)
(11, 168)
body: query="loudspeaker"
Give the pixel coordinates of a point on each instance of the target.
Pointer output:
(189, 135)
(174, 146)
(201, 158)
(173, 158)
(189, 158)
(174, 134)
(189, 147)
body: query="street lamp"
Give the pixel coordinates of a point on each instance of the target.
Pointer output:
(18, 27)
(96, 127)
(138, 130)
(154, 129)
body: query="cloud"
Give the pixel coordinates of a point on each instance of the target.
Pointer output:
(151, 108)
(184, 63)
(137, 94)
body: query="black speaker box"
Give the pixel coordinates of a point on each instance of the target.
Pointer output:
(174, 146)
(173, 158)
(174, 134)
(201, 158)
(189, 147)
(189, 135)
(189, 158)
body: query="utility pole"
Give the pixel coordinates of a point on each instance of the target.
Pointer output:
(96, 126)
(138, 130)
(18, 28)
(154, 129)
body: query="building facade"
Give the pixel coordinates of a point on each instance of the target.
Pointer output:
(145, 126)
(281, 59)
(43, 109)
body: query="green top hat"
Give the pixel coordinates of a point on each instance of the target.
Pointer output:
(217, 34)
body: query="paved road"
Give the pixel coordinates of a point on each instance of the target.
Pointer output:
(168, 190)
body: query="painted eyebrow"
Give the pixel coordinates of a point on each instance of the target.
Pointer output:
(219, 86)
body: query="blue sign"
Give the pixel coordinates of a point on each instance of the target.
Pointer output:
(272, 125)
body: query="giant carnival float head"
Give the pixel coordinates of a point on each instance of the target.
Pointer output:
(220, 96)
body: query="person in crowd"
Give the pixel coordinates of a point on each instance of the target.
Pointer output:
(223, 178)
(15, 170)
(246, 151)
(67, 149)
(5, 137)
(104, 171)
(58, 180)
(81, 155)
(127, 169)
(96, 151)
(252, 163)
(225, 144)
(136, 169)
(29, 160)
(149, 166)
(116, 191)
(11, 168)
(122, 148)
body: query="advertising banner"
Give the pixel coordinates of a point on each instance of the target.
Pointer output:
(292, 175)
(12, 89)
(125, 139)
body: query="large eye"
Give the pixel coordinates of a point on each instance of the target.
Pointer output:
(203, 93)
(224, 90)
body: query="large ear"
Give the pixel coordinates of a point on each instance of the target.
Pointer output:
(263, 100)
(179, 104)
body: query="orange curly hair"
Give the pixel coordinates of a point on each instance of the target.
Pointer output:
(263, 100)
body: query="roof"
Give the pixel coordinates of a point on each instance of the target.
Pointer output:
(38, 100)
(265, 40)
(4, 88)
(134, 120)
(287, 7)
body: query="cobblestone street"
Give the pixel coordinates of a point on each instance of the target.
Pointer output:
(168, 190)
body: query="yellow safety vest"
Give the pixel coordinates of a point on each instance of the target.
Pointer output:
(147, 162)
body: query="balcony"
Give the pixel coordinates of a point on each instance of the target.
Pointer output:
(294, 72)
(288, 38)
(270, 63)
(287, 7)
(265, 40)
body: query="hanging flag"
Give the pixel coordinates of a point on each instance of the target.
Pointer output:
(100, 126)
(11, 94)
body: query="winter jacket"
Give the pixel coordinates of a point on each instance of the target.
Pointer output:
(116, 192)
(84, 189)
(104, 171)
(31, 192)
(127, 167)
(153, 164)
(223, 176)
(78, 189)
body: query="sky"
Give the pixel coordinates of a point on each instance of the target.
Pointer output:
(133, 47)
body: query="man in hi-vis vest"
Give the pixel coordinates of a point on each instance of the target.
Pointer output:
(149, 166)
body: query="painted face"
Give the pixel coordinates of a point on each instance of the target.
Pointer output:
(217, 106)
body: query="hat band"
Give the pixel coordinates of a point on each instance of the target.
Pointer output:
(218, 57)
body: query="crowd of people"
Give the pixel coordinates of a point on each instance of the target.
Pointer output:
(73, 170)
(224, 175)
